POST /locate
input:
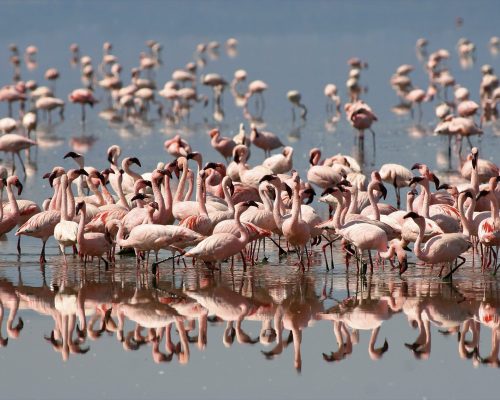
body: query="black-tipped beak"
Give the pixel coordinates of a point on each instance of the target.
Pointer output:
(101, 177)
(138, 196)
(210, 165)
(288, 189)
(444, 186)
(231, 188)
(79, 206)
(72, 154)
(251, 203)
(403, 267)
(46, 176)
(4, 181)
(148, 184)
(52, 176)
(135, 160)
(383, 189)
(107, 171)
(81, 171)
(311, 159)
(19, 186)
(411, 215)
(436, 181)
(154, 204)
(416, 166)
(474, 160)
(406, 248)
(482, 193)
(110, 157)
(236, 158)
(267, 178)
(345, 182)
(415, 179)
(192, 155)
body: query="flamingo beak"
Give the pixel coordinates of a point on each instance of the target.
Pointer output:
(474, 160)
(135, 160)
(81, 171)
(436, 180)
(411, 215)
(110, 157)
(72, 154)
(383, 190)
(288, 190)
(52, 176)
(415, 179)
(19, 186)
(416, 166)
(148, 184)
(79, 206)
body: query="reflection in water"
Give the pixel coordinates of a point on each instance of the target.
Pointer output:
(173, 316)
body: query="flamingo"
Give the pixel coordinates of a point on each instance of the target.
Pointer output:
(221, 246)
(280, 163)
(14, 143)
(398, 175)
(223, 145)
(93, 244)
(294, 97)
(264, 140)
(444, 248)
(83, 97)
(66, 230)
(10, 218)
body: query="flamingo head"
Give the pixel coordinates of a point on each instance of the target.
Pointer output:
(134, 160)
(139, 196)
(80, 206)
(475, 157)
(214, 132)
(73, 155)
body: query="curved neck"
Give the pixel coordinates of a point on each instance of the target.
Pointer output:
(466, 218)
(353, 209)
(228, 198)
(418, 251)
(97, 193)
(373, 202)
(264, 196)
(341, 211)
(134, 175)
(12, 200)
(409, 203)
(119, 236)
(243, 231)
(159, 199)
(1, 207)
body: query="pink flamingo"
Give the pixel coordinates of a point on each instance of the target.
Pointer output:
(444, 248)
(266, 141)
(10, 218)
(14, 143)
(83, 97)
(65, 232)
(91, 244)
(221, 246)
(223, 145)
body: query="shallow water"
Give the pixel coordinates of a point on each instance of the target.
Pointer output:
(290, 45)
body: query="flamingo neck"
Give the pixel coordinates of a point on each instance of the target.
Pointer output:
(409, 203)
(278, 203)
(268, 205)
(340, 212)
(64, 205)
(70, 198)
(427, 198)
(228, 198)
(107, 196)
(159, 199)
(97, 193)
(81, 226)
(182, 182)
(134, 175)
(466, 217)
(372, 200)
(494, 205)
(417, 249)
(12, 200)
(1, 208)
(168, 198)
(296, 203)
(353, 209)
(53, 201)
(474, 180)
(243, 239)
(121, 195)
(201, 196)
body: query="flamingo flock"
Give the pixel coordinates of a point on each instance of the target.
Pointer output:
(219, 210)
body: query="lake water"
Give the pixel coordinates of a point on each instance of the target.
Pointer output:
(290, 45)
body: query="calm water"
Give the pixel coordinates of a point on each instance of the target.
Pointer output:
(290, 45)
